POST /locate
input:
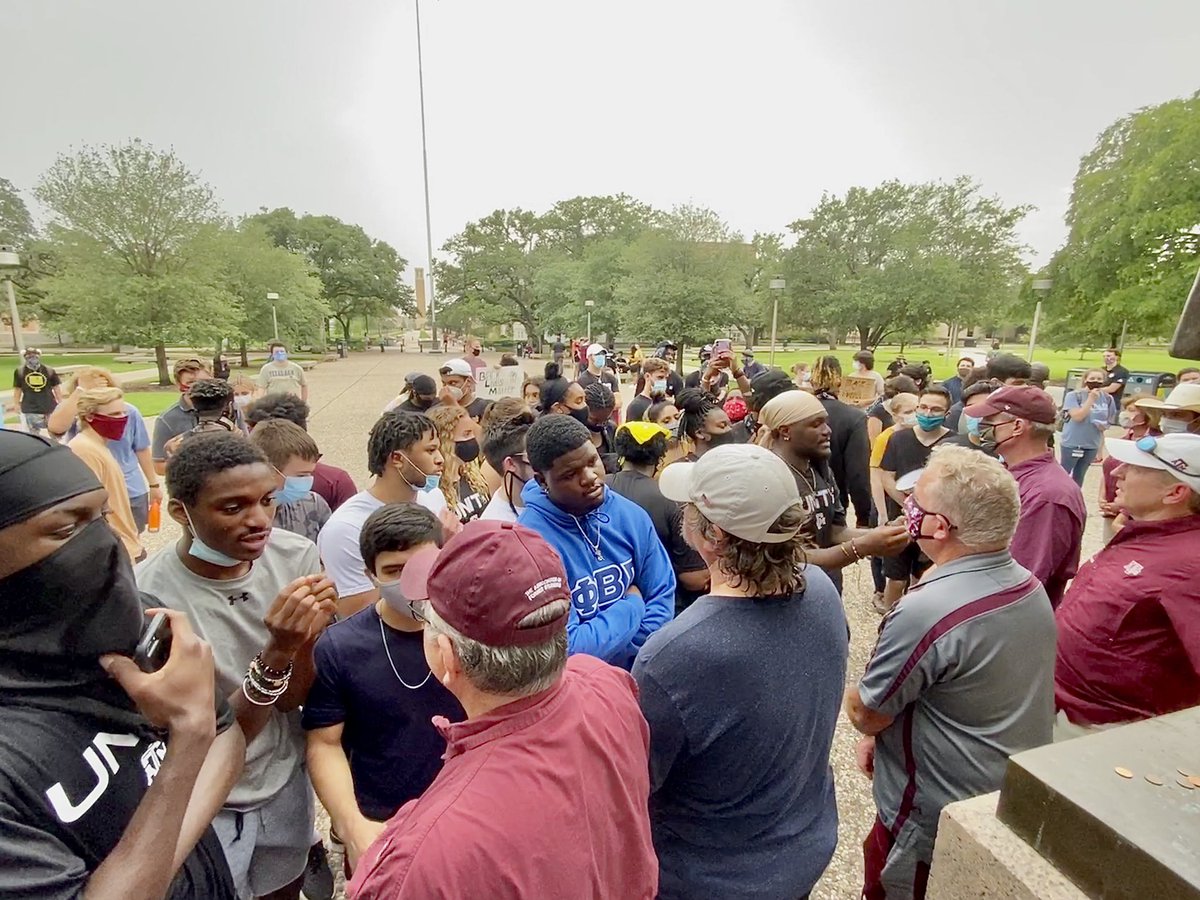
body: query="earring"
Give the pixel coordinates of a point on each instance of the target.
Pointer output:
(446, 679)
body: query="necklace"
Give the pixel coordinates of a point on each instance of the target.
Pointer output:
(383, 637)
(812, 485)
(595, 545)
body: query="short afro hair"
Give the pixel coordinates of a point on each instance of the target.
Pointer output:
(202, 457)
(394, 431)
(599, 397)
(552, 436)
(640, 454)
(278, 406)
(505, 437)
(210, 397)
(397, 526)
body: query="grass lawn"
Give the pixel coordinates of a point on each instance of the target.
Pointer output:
(58, 360)
(1059, 361)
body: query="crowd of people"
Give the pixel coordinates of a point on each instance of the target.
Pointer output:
(559, 648)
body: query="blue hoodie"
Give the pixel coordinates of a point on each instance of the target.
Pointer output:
(606, 620)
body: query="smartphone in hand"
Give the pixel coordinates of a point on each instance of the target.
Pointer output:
(154, 646)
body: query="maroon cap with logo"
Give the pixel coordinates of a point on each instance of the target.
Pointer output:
(487, 578)
(1023, 401)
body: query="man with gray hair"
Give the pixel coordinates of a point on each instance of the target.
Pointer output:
(962, 675)
(545, 787)
(1018, 422)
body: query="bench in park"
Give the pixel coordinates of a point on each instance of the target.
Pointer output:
(430, 346)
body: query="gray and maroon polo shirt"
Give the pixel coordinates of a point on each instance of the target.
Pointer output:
(965, 664)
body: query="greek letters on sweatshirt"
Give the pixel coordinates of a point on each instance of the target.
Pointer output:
(606, 620)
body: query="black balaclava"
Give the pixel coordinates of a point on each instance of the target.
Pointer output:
(59, 615)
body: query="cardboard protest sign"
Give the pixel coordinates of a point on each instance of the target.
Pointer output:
(857, 391)
(505, 381)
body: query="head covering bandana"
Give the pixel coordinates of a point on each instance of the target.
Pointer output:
(788, 408)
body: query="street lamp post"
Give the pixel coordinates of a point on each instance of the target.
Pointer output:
(1041, 287)
(8, 262)
(425, 170)
(273, 297)
(777, 285)
(589, 304)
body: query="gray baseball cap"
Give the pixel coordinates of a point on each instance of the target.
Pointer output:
(740, 488)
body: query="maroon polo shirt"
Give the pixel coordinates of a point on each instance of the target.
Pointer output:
(334, 484)
(1129, 627)
(1050, 531)
(543, 797)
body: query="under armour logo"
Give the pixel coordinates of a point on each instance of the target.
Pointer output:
(101, 747)
(1134, 568)
(244, 597)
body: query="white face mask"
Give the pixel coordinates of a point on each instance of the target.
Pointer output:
(241, 401)
(1173, 426)
(455, 392)
(1125, 420)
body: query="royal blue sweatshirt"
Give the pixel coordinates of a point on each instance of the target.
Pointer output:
(606, 620)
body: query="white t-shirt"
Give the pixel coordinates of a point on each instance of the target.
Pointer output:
(228, 614)
(498, 509)
(338, 540)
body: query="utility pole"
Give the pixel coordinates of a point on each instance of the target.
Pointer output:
(425, 168)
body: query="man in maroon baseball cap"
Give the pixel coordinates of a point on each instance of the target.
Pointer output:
(1017, 423)
(545, 788)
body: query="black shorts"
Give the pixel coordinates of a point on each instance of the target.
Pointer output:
(910, 563)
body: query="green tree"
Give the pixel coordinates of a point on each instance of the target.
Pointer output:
(491, 270)
(18, 233)
(249, 265)
(126, 221)
(1134, 219)
(683, 277)
(360, 276)
(893, 260)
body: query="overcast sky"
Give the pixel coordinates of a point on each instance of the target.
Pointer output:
(752, 107)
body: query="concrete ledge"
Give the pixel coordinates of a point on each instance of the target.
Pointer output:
(978, 857)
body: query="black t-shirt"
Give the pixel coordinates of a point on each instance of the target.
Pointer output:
(559, 349)
(877, 411)
(1118, 374)
(668, 525)
(819, 494)
(605, 377)
(674, 384)
(37, 389)
(471, 503)
(69, 785)
(637, 408)
(387, 733)
(477, 407)
(693, 381)
(906, 454)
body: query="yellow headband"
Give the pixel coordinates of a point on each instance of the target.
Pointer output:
(643, 431)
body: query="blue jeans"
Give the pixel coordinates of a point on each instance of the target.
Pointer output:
(1076, 461)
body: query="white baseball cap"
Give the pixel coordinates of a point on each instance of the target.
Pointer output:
(457, 367)
(593, 349)
(740, 488)
(1178, 454)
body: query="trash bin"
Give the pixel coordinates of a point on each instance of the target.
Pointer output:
(341, 345)
(1140, 384)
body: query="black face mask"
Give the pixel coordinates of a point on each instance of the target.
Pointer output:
(79, 602)
(579, 415)
(720, 440)
(596, 429)
(466, 450)
(476, 352)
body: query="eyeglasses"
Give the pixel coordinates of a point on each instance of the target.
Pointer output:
(416, 613)
(1149, 444)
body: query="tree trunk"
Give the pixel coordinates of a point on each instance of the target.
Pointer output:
(832, 337)
(116, 348)
(242, 350)
(160, 357)
(1113, 338)
(345, 323)
(902, 343)
(864, 337)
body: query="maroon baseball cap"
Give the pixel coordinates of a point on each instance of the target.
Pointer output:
(1021, 400)
(487, 578)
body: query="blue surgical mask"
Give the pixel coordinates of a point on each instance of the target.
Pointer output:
(295, 488)
(659, 386)
(205, 553)
(432, 482)
(278, 355)
(600, 360)
(929, 423)
(972, 426)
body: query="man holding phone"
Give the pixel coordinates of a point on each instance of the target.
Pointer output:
(721, 365)
(112, 776)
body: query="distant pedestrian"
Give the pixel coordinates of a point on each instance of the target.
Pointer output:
(281, 376)
(35, 391)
